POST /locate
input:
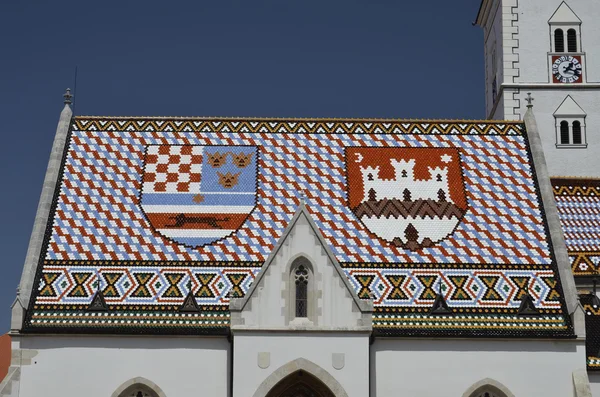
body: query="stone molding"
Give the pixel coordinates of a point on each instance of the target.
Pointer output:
(136, 382)
(305, 365)
(42, 215)
(554, 226)
(488, 384)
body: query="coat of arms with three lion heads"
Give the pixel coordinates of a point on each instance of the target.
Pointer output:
(196, 195)
(410, 197)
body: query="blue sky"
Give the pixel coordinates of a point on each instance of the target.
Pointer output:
(332, 58)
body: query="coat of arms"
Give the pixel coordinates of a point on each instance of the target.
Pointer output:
(196, 195)
(411, 197)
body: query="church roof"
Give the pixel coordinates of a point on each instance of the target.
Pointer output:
(158, 222)
(578, 204)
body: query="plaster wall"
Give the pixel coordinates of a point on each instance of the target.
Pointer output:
(580, 162)
(71, 366)
(317, 347)
(431, 368)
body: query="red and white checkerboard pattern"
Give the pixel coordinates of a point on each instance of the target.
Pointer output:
(172, 169)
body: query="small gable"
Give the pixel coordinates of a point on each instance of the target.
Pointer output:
(564, 15)
(569, 108)
(301, 286)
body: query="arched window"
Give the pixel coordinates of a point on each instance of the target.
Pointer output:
(570, 125)
(301, 281)
(564, 132)
(559, 40)
(576, 132)
(301, 304)
(572, 40)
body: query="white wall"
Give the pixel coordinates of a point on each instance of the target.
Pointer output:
(434, 368)
(74, 366)
(315, 347)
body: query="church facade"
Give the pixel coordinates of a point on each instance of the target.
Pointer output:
(330, 257)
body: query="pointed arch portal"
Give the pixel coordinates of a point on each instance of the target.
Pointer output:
(138, 387)
(300, 378)
(300, 384)
(488, 388)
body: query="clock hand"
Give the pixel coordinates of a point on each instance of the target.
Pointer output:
(569, 68)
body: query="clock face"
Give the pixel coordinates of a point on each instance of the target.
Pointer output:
(567, 69)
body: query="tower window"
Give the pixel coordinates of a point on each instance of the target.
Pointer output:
(576, 132)
(570, 125)
(301, 276)
(559, 40)
(564, 133)
(572, 40)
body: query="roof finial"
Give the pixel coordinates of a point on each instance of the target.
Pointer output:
(529, 100)
(68, 96)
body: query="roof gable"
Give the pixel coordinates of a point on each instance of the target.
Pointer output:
(265, 306)
(564, 15)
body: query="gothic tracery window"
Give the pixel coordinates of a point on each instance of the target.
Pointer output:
(301, 281)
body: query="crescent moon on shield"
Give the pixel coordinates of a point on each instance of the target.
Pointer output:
(359, 157)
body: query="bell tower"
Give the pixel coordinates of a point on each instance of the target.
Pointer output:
(551, 49)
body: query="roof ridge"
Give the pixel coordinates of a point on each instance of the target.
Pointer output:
(316, 119)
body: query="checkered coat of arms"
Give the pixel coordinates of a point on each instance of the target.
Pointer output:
(196, 195)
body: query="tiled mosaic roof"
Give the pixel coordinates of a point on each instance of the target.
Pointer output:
(151, 211)
(578, 202)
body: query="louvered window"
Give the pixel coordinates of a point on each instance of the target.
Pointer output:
(564, 132)
(572, 40)
(576, 132)
(559, 40)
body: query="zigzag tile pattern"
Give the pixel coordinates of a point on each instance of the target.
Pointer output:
(152, 284)
(578, 203)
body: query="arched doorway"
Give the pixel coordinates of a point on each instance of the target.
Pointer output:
(300, 378)
(138, 387)
(300, 384)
